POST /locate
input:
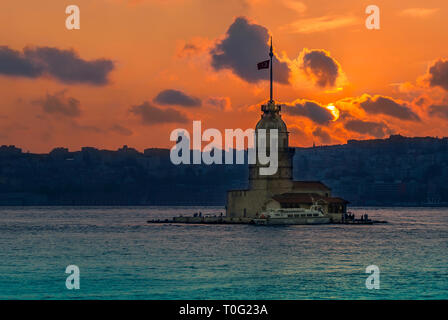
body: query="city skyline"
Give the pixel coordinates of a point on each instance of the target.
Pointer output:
(393, 171)
(136, 70)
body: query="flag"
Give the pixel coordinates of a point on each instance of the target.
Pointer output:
(263, 65)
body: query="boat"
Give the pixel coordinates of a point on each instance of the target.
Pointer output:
(289, 216)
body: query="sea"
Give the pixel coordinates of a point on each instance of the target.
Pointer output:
(120, 256)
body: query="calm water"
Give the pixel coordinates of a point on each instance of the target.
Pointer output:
(122, 257)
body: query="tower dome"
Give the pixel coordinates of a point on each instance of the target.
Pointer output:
(271, 118)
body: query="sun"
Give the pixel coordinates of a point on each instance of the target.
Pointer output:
(334, 111)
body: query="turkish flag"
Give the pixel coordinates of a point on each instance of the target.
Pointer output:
(263, 65)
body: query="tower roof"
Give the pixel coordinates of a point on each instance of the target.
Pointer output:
(271, 118)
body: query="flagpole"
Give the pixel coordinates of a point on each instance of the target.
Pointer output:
(271, 55)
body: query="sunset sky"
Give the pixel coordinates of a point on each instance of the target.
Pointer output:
(137, 69)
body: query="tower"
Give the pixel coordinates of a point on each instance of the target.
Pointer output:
(279, 190)
(272, 119)
(282, 179)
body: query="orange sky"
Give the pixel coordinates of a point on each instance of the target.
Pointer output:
(383, 82)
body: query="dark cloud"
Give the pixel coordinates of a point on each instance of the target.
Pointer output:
(321, 67)
(311, 110)
(176, 97)
(59, 104)
(223, 103)
(438, 74)
(378, 130)
(151, 115)
(189, 49)
(439, 111)
(121, 130)
(85, 127)
(14, 63)
(323, 135)
(94, 129)
(66, 66)
(420, 101)
(244, 45)
(298, 133)
(63, 65)
(387, 106)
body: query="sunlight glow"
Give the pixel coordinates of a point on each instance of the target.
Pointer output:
(334, 111)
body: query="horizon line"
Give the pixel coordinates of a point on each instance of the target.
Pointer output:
(125, 146)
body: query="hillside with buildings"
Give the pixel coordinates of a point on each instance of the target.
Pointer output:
(392, 171)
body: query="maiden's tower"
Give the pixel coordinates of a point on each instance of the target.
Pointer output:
(279, 190)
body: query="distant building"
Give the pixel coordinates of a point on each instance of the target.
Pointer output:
(10, 150)
(59, 153)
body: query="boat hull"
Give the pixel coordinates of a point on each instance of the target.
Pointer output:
(291, 221)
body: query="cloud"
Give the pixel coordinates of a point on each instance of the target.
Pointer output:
(438, 110)
(222, 103)
(150, 115)
(63, 65)
(121, 130)
(418, 12)
(376, 129)
(309, 109)
(320, 67)
(14, 63)
(194, 46)
(320, 24)
(68, 67)
(387, 106)
(420, 101)
(176, 97)
(297, 6)
(188, 49)
(438, 74)
(323, 135)
(86, 127)
(58, 104)
(244, 45)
